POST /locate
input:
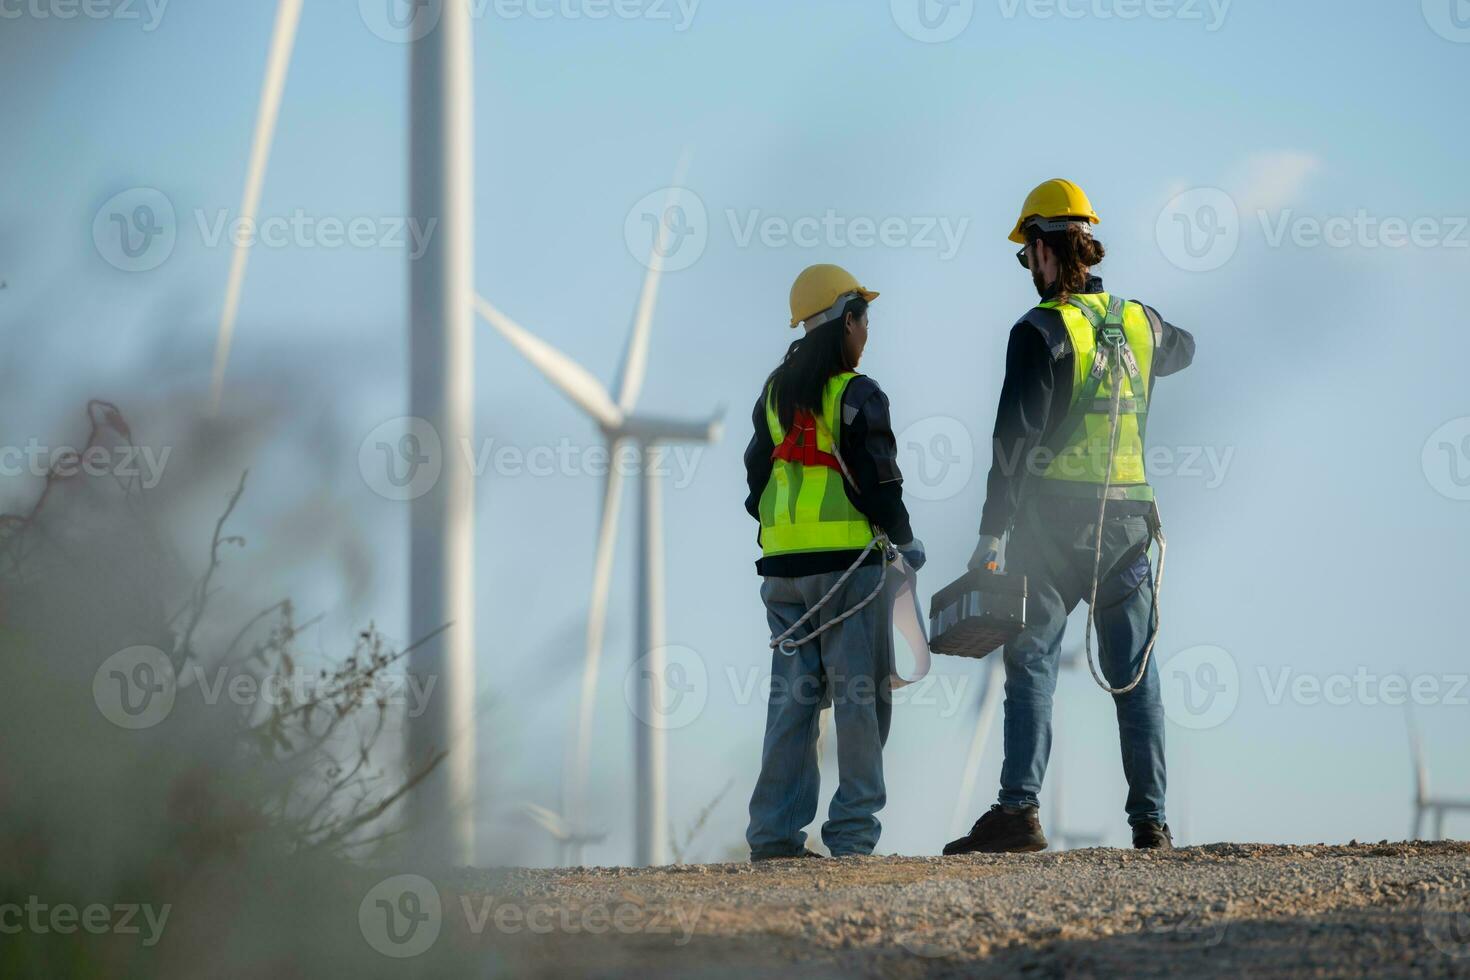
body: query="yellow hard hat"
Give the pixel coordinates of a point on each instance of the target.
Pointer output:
(1057, 198)
(821, 291)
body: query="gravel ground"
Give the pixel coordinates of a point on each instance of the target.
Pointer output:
(1223, 909)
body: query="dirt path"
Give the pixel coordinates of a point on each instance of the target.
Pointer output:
(1223, 909)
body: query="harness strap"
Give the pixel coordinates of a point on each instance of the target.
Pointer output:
(800, 445)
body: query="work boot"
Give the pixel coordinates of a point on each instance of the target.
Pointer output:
(1150, 836)
(1002, 830)
(805, 853)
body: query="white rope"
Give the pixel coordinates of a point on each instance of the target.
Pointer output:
(788, 646)
(1116, 368)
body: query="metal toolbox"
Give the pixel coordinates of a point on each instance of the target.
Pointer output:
(981, 611)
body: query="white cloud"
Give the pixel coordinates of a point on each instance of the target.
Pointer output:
(1272, 180)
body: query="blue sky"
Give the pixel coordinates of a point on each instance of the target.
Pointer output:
(1326, 544)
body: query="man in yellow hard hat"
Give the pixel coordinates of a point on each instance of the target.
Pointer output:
(1068, 490)
(822, 471)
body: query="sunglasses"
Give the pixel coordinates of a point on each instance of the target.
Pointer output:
(1021, 258)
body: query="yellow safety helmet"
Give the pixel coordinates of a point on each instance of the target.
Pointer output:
(821, 293)
(1054, 202)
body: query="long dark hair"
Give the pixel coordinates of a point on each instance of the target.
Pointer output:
(802, 374)
(1076, 251)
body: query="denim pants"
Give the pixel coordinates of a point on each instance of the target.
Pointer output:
(1052, 545)
(848, 667)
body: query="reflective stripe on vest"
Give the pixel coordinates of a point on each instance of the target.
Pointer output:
(1081, 443)
(804, 506)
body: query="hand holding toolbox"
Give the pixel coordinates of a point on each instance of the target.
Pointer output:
(982, 610)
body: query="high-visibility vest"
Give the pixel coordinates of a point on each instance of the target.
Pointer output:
(804, 506)
(1102, 329)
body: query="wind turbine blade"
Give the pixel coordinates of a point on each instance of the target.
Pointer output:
(635, 356)
(575, 381)
(283, 41)
(548, 821)
(989, 703)
(602, 566)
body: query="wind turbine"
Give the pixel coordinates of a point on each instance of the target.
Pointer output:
(990, 697)
(441, 392)
(1424, 803)
(621, 426)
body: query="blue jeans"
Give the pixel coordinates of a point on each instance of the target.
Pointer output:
(1054, 549)
(847, 667)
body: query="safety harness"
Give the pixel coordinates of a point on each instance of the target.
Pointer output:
(800, 446)
(1113, 360)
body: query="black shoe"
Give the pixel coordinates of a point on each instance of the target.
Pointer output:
(1000, 831)
(1150, 836)
(807, 853)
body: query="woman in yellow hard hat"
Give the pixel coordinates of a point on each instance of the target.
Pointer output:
(824, 484)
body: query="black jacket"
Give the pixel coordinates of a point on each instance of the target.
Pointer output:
(1034, 400)
(866, 444)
